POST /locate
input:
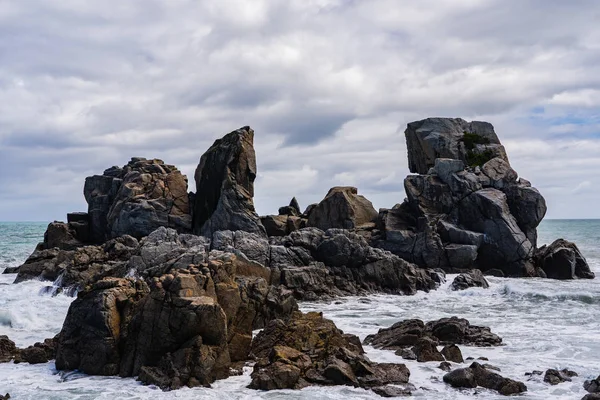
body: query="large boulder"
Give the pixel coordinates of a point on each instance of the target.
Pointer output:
(342, 208)
(310, 350)
(225, 186)
(469, 279)
(563, 260)
(136, 199)
(453, 138)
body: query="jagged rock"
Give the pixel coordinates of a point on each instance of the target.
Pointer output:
(5, 397)
(528, 207)
(592, 385)
(95, 326)
(434, 138)
(194, 321)
(39, 353)
(563, 260)
(82, 266)
(62, 236)
(342, 208)
(136, 200)
(469, 279)
(554, 377)
(282, 225)
(452, 353)
(293, 209)
(477, 375)
(310, 350)
(445, 330)
(225, 186)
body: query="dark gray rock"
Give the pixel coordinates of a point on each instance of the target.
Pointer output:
(469, 279)
(434, 138)
(477, 375)
(592, 385)
(563, 260)
(554, 376)
(425, 349)
(452, 353)
(225, 186)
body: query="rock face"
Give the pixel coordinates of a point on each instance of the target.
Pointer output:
(563, 260)
(469, 279)
(310, 350)
(452, 138)
(477, 375)
(225, 186)
(342, 208)
(466, 209)
(186, 328)
(453, 330)
(136, 200)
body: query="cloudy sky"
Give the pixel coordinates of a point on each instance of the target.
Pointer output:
(327, 85)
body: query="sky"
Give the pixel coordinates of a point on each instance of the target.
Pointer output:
(327, 85)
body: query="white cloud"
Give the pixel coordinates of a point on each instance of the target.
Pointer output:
(328, 86)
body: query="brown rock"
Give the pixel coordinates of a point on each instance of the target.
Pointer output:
(342, 208)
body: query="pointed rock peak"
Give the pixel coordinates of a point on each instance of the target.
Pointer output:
(225, 186)
(294, 204)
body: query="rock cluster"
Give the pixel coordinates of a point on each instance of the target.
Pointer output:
(562, 260)
(309, 350)
(554, 376)
(36, 354)
(452, 330)
(478, 375)
(466, 208)
(186, 327)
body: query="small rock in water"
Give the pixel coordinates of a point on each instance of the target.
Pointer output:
(426, 350)
(445, 366)
(483, 358)
(592, 385)
(406, 354)
(392, 391)
(554, 377)
(533, 373)
(5, 397)
(477, 375)
(490, 366)
(469, 279)
(452, 353)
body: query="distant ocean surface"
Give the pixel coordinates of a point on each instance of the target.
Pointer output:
(544, 324)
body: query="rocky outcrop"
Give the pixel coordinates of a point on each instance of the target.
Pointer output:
(342, 208)
(466, 209)
(554, 376)
(469, 279)
(310, 350)
(37, 354)
(453, 138)
(136, 200)
(225, 186)
(187, 327)
(8, 349)
(563, 260)
(453, 330)
(477, 375)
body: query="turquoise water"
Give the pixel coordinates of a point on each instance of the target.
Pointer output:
(544, 324)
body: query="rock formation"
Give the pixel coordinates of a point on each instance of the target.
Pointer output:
(554, 376)
(453, 330)
(310, 350)
(342, 208)
(36, 354)
(225, 186)
(477, 375)
(185, 328)
(473, 278)
(562, 260)
(466, 208)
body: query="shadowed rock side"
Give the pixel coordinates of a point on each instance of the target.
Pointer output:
(563, 260)
(466, 209)
(478, 375)
(225, 186)
(310, 350)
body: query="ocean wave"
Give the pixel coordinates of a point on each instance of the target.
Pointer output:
(586, 298)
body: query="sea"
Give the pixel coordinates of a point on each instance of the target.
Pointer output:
(544, 324)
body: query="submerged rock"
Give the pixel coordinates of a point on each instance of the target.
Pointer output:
(225, 186)
(469, 279)
(310, 350)
(592, 385)
(477, 375)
